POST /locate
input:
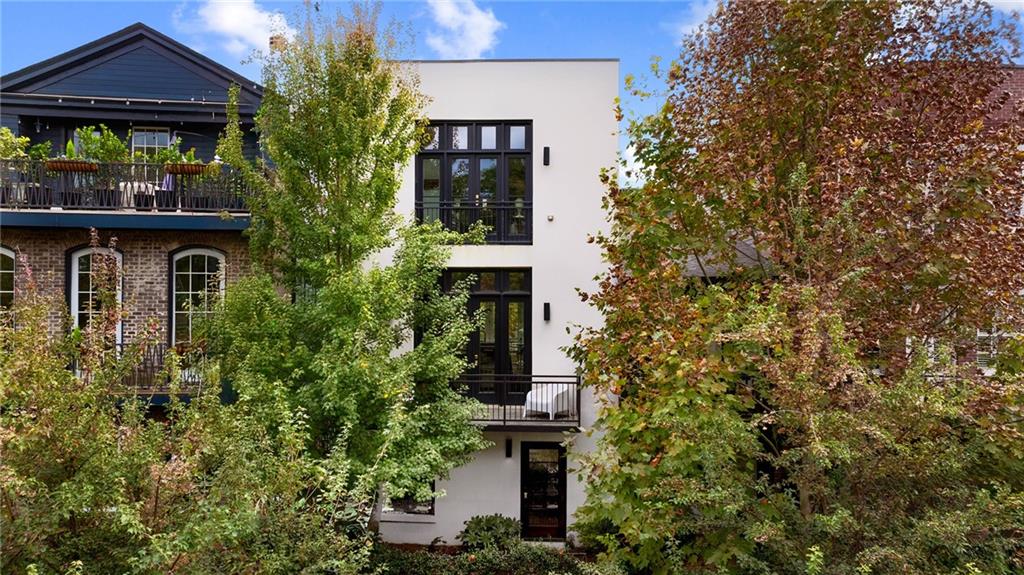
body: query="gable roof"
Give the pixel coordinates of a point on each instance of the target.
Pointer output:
(136, 68)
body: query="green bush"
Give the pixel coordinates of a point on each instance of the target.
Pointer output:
(517, 559)
(486, 531)
(11, 147)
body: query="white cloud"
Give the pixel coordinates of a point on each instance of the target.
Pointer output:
(697, 11)
(241, 25)
(1008, 5)
(466, 31)
(633, 174)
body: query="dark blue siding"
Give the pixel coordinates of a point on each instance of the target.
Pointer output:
(10, 122)
(140, 73)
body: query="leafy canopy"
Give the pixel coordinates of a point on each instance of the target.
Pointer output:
(832, 208)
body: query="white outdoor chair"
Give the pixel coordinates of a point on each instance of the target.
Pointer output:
(550, 398)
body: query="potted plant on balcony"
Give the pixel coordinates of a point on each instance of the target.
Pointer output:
(70, 161)
(185, 164)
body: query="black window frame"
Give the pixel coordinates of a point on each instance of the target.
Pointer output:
(502, 211)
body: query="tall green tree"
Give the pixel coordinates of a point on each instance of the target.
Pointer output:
(339, 120)
(832, 208)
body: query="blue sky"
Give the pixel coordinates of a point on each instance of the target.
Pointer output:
(228, 30)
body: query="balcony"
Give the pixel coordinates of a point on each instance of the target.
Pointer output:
(525, 401)
(507, 222)
(149, 376)
(29, 185)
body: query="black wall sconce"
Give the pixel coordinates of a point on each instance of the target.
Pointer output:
(547, 156)
(547, 311)
(508, 447)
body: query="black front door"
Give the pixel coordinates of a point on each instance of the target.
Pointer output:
(543, 490)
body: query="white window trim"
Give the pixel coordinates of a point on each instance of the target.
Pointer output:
(170, 139)
(10, 253)
(73, 296)
(174, 286)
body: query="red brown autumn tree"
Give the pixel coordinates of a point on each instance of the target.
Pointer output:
(832, 209)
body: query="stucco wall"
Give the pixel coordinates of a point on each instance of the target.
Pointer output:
(570, 104)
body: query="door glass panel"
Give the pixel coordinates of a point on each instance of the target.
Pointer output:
(488, 137)
(517, 196)
(431, 189)
(460, 137)
(542, 494)
(433, 139)
(487, 357)
(460, 194)
(488, 190)
(517, 337)
(517, 137)
(488, 281)
(517, 281)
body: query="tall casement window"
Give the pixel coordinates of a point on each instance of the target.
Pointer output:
(6, 278)
(197, 280)
(478, 172)
(83, 298)
(501, 347)
(149, 141)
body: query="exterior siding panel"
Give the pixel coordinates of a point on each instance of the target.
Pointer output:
(140, 73)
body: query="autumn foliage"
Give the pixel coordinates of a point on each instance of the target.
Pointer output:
(831, 210)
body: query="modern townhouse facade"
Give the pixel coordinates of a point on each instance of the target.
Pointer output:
(518, 145)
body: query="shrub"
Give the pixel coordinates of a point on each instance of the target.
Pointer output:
(517, 559)
(485, 531)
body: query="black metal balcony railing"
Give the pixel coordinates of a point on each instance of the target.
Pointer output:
(509, 222)
(34, 185)
(543, 400)
(150, 376)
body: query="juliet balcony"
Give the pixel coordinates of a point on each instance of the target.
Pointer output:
(507, 222)
(60, 192)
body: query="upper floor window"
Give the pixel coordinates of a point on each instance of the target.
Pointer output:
(84, 297)
(149, 141)
(6, 278)
(198, 278)
(478, 172)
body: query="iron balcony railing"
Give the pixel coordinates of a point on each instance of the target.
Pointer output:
(149, 375)
(76, 185)
(508, 222)
(532, 400)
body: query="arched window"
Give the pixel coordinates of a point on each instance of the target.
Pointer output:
(197, 274)
(6, 278)
(83, 297)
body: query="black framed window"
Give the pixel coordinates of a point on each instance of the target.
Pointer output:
(478, 171)
(409, 504)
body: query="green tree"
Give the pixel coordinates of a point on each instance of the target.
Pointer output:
(339, 120)
(89, 484)
(831, 209)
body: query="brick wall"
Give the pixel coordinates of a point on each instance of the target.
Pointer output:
(146, 256)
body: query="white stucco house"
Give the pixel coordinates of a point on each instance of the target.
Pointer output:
(518, 144)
